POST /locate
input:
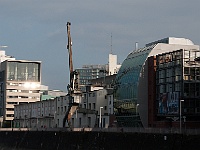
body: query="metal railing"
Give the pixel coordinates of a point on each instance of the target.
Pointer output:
(115, 129)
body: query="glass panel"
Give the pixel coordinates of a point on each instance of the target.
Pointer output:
(23, 71)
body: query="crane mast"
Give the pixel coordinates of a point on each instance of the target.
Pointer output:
(73, 86)
(69, 47)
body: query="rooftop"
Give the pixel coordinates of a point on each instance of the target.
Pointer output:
(172, 40)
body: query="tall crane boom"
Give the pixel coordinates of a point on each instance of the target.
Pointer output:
(69, 47)
(74, 84)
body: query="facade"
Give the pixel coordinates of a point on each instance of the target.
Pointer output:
(178, 81)
(51, 94)
(140, 84)
(98, 102)
(50, 113)
(91, 72)
(113, 66)
(39, 114)
(4, 57)
(20, 82)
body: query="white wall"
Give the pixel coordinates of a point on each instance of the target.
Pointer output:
(113, 66)
(50, 113)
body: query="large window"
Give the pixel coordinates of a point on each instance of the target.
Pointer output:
(23, 71)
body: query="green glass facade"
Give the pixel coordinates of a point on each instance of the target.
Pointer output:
(126, 88)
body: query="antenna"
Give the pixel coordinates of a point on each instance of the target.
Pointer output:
(111, 44)
(3, 46)
(136, 45)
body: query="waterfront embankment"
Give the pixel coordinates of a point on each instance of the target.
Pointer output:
(71, 140)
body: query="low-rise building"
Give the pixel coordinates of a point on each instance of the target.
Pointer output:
(93, 106)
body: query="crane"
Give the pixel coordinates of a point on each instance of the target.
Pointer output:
(73, 86)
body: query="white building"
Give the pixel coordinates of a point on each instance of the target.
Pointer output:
(113, 66)
(20, 82)
(4, 57)
(50, 113)
(35, 115)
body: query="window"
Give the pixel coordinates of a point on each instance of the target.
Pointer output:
(58, 122)
(12, 103)
(79, 122)
(65, 108)
(61, 110)
(58, 110)
(10, 109)
(23, 71)
(10, 115)
(89, 121)
(90, 94)
(89, 105)
(186, 70)
(104, 122)
(73, 122)
(109, 110)
(94, 106)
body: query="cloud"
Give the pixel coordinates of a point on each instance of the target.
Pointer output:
(36, 29)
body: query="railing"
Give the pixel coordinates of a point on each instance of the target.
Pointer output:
(151, 130)
(131, 130)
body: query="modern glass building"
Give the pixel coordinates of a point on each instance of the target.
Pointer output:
(178, 86)
(20, 82)
(89, 72)
(133, 93)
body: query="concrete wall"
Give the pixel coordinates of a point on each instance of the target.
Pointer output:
(51, 140)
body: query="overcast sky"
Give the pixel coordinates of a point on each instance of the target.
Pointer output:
(36, 30)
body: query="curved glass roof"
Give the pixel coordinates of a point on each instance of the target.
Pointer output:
(126, 88)
(128, 75)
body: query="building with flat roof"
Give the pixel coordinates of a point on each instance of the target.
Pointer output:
(90, 72)
(93, 106)
(20, 82)
(4, 57)
(144, 82)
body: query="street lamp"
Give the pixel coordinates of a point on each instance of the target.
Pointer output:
(137, 109)
(76, 123)
(100, 116)
(136, 114)
(54, 119)
(180, 113)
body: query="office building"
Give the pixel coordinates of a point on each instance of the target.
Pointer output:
(164, 70)
(88, 72)
(20, 82)
(91, 72)
(178, 88)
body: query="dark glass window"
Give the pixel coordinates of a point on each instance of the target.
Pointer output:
(23, 71)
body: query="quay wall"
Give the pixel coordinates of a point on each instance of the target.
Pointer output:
(71, 140)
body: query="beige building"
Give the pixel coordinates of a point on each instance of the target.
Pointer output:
(20, 82)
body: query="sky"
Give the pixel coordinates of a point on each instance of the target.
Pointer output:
(36, 30)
